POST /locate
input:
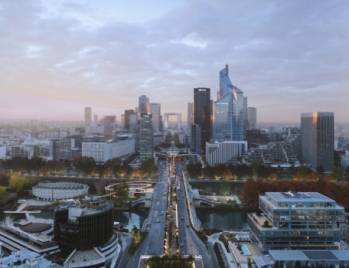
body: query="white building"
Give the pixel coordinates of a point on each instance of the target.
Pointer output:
(224, 152)
(104, 151)
(59, 190)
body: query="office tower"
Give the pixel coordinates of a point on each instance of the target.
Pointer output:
(297, 220)
(108, 123)
(156, 116)
(317, 134)
(203, 114)
(146, 137)
(88, 116)
(195, 138)
(143, 105)
(251, 118)
(230, 110)
(127, 116)
(190, 114)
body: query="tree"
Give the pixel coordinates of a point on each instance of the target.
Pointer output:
(148, 166)
(4, 179)
(84, 164)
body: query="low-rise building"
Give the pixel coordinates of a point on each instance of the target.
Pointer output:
(102, 151)
(224, 152)
(59, 190)
(297, 220)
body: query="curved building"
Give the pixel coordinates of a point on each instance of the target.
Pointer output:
(86, 230)
(59, 190)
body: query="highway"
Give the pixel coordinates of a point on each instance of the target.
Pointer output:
(189, 242)
(155, 225)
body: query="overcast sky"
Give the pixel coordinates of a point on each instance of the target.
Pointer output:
(58, 56)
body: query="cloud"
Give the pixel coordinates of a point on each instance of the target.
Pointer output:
(288, 56)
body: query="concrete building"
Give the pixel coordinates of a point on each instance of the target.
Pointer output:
(88, 116)
(251, 118)
(155, 109)
(3, 152)
(202, 116)
(59, 190)
(102, 151)
(195, 139)
(66, 148)
(146, 137)
(317, 132)
(224, 152)
(173, 121)
(345, 159)
(127, 118)
(297, 220)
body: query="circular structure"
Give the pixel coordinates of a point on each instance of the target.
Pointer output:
(59, 190)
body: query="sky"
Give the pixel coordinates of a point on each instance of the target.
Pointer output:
(59, 56)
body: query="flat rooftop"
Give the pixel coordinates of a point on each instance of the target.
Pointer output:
(298, 197)
(310, 255)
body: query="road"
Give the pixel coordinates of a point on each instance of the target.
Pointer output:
(189, 242)
(153, 243)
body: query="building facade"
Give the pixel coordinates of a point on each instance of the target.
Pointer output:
(297, 220)
(203, 115)
(88, 116)
(146, 137)
(156, 116)
(230, 110)
(317, 134)
(143, 105)
(224, 152)
(251, 118)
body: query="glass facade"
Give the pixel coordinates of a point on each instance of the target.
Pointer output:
(297, 220)
(230, 110)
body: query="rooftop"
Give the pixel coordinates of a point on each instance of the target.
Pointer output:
(298, 197)
(309, 255)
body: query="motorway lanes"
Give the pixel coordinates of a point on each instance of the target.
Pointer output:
(189, 242)
(153, 243)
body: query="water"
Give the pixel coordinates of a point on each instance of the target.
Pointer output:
(129, 220)
(225, 220)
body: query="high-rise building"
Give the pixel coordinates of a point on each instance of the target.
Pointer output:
(173, 121)
(230, 110)
(146, 137)
(190, 114)
(195, 138)
(297, 220)
(156, 116)
(317, 134)
(143, 105)
(127, 118)
(88, 116)
(203, 114)
(251, 118)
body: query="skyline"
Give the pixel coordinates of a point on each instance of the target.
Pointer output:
(107, 55)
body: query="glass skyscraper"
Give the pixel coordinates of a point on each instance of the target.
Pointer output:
(230, 110)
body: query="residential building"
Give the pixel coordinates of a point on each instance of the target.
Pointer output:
(251, 118)
(224, 152)
(203, 115)
(297, 220)
(146, 137)
(317, 132)
(155, 109)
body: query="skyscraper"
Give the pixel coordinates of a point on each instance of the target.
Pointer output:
(127, 118)
(146, 137)
(190, 114)
(317, 132)
(251, 118)
(156, 116)
(230, 110)
(203, 114)
(88, 116)
(143, 105)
